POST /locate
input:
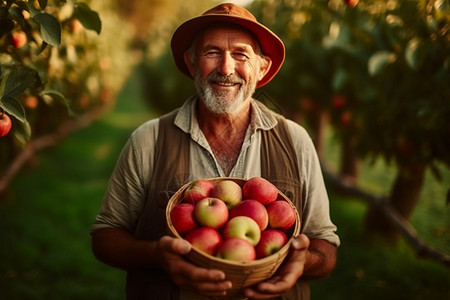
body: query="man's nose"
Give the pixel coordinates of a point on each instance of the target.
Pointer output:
(227, 65)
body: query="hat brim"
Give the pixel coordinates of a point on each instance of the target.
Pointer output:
(270, 44)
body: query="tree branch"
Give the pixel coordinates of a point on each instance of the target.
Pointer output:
(398, 221)
(45, 141)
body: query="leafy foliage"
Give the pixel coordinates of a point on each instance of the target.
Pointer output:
(30, 27)
(59, 60)
(380, 69)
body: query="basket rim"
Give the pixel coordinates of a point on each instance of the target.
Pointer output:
(214, 259)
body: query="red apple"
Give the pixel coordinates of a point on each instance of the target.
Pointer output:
(346, 118)
(281, 215)
(18, 39)
(253, 209)
(206, 239)
(228, 191)
(211, 212)
(198, 190)
(338, 101)
(76, 26)
(5, 124)
(260, 189)
(271, 241)
(351, 3)
(242, 227)
(182, 217)
(236, 249)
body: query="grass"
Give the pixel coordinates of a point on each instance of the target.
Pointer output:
(45, 219)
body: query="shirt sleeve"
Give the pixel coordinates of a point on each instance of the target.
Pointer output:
(316, 221)
(127, 189)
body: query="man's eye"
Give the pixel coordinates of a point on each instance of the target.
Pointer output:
(212, 54)
(240, 56)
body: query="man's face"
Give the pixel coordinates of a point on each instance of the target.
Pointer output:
(227, 69)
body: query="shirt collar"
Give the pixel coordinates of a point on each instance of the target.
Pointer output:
(186, 118)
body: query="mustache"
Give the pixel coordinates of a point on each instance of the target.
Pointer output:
(219, 78)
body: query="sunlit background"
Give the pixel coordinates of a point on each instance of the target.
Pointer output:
(369, 80)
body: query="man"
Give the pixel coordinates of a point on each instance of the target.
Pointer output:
(220, 132)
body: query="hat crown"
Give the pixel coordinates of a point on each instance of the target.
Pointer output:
(231, 10)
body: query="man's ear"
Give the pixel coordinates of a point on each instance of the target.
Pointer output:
(189, 63)
(266, 63)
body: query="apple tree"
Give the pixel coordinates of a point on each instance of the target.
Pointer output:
(29, 31)
(56, 67)
(379, 72)
(410, 111)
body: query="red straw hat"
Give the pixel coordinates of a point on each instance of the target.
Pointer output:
(271, 44)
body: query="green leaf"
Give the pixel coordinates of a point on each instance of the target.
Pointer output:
(50, 28)
(13, 107)
(340, 78)
(57, 96)
(379, 60)
(6, 26)
(436, 172)
(28, 6)
(16, 13)
(17, 81)
(22, 132)
(89, 18)
(42, 3)
(414, 53)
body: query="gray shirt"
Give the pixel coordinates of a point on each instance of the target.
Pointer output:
(127, 190)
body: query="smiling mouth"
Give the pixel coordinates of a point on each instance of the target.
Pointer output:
(226, 84)
(224, 81)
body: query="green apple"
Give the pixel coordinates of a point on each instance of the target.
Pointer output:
(211, 212)
(242, 227)
(228, 191)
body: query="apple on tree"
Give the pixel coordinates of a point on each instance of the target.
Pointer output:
(236, 249)
(206, 239)
(198, 190)
(281, 215)
(253, 209)
(272, 240)
(18, 39)
(351, 3)
(260, 189)
(5, 124)
(242, 227)
(211, 212)
(228, 191)
(182, 217)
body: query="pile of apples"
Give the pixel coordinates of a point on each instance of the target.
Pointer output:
(232, 222)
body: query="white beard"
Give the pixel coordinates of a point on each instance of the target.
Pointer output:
(219, 102)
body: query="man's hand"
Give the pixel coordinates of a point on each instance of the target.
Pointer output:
(286, 276)
(206, 282)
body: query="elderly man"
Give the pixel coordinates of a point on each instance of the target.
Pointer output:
(219, 132)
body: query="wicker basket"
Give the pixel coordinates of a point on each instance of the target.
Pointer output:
(241, 274)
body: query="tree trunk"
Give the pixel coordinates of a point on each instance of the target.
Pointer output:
(404, 196)
(349, 168)
(319, 123)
